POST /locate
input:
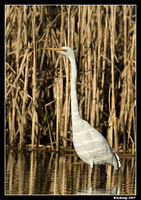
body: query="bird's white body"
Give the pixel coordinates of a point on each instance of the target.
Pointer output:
(89, 144)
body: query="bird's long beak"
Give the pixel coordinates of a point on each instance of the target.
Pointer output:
(54, 49)
(57, 49)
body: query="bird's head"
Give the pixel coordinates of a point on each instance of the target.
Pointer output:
(67, 51)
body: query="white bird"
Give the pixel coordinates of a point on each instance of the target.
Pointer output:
(89, 144)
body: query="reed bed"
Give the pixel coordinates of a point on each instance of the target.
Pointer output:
(37, 81)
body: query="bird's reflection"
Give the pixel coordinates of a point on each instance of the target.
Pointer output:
(97, 191)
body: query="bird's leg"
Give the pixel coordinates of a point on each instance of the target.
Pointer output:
(103, 171)
(91, 175)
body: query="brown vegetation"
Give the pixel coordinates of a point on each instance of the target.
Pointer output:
(37, 81)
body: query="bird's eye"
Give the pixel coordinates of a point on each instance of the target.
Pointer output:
(64, 50)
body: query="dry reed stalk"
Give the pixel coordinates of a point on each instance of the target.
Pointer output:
(98, 67)
(60, 95)
(57, 97)
(49, 124)
(61, 73)
(106, 31)
(116, 146)
(123, 101)
(134, 110)
(93, 112)
(125, 32)
(66, 97)
(80, 33)
(72, 45)
(58, 116)
(122, 114)
(34, 76)
(112, 111)
(83, 78)
(97, 109)
(23, 120)
(18, 37)
(113, 84)
(84, 82)
(13, 112)
(18, 114)
(68, 11)
(84, 66)
(10, 125)
(89, 64)
(72, 30)
(131, 106)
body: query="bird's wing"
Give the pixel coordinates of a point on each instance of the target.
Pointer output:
(95, 145)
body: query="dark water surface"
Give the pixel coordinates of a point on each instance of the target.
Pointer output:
(40, 172)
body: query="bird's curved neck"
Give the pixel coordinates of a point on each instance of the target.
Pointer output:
(74, 100)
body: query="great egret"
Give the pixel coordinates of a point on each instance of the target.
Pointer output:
(89, 144)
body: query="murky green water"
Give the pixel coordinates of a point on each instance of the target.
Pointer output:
(39, 172)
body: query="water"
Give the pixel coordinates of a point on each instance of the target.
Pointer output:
(40, 172)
